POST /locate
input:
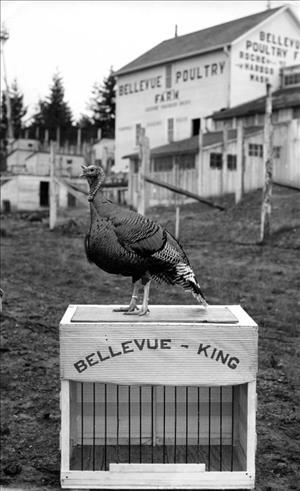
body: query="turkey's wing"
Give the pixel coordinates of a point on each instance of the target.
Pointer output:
(139, 234)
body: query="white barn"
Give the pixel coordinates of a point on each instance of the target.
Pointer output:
(171, 89)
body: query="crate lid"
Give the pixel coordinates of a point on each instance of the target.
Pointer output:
(158, 313)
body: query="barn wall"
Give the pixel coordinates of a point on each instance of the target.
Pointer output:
(198, 86)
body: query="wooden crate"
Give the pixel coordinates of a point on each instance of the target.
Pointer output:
(160, 402)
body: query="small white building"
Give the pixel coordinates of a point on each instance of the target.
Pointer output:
(104, 152)
(170, 89)
(26, 183)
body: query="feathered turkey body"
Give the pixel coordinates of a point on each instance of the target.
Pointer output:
(124, 242)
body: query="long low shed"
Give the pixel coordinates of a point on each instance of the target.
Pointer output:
(163, 401)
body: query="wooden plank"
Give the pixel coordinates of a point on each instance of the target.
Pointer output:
(65, 425)
(251, 428)
(104, 314)
(159, 354)
(195, 480)
(157, 468)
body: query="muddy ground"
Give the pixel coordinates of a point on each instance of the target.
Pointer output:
(43, 271)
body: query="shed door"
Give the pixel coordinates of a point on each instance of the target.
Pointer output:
(44, 193)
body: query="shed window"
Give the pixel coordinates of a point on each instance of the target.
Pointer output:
(216, 160)
(162, 164)
(69, 161)
(185, 161)
(296, 112)
(231, 162)
(292, 79)
(276, 152)
(255, 150)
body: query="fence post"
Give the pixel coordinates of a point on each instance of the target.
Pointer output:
(265, 225)
(239, 163)
(200, 163)
(53, 186)
(144, 166)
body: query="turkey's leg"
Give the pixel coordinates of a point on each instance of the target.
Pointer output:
(133, 302)
(144, 310)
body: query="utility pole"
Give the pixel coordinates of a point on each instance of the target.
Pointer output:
(144, 165)
(4, 36)
(265, 225)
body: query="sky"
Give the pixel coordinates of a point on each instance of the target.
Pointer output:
(83, 39)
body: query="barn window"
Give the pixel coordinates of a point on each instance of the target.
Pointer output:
(185, 161)
(276, 152)
(168, 76)
(231, 162)
(69, 161)
(196, 125)
(162, 164)
(170, 130)
(138, 128)
(216, 160)
(255, 150)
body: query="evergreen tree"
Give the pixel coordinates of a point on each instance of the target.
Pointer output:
(103, 105)
(54, 112)
(18, 111)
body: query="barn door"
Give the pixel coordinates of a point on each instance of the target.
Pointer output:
(44, 193)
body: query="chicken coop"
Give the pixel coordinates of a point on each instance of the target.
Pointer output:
(162, 401)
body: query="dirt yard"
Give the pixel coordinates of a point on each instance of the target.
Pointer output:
(44, 271)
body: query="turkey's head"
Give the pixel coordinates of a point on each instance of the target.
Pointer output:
(95, 177)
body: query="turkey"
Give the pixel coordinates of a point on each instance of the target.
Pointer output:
(121, 241)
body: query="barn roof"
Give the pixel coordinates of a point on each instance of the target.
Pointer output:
(281, 99)
(191, 145)
(197, 42)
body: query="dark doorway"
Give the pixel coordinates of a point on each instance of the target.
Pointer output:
(44, 193)
(71, 200)
(196, 125)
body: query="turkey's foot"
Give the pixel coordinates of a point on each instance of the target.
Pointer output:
(131, 307)
(141, 311)
(126, 310)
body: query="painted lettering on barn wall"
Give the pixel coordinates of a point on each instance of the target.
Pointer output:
(186, 74)
(260, 57)
(205, 350)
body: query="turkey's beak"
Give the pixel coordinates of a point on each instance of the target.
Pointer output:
(84, 169)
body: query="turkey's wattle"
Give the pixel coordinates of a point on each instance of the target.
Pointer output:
(121, 241)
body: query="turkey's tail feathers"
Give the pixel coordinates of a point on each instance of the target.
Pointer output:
(186, 278)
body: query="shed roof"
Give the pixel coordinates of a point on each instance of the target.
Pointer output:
(191, 145)
(197, 42)
(281, 99)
